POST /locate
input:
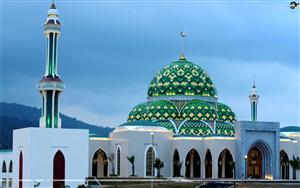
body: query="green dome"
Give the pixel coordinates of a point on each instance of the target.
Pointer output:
(225, 113)
(195, 128)
(137, 113)
(160, 110)
(199, 110)
(154, 110)
(182, 78)
(224, 129)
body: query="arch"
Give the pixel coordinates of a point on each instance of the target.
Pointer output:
(259, 159)
(225, 164)
(4, 169)
(176, 164)
(118, 159)
(208, 164)
(99, 164)
(284, 165)
(10, 168)
(58, 170)
(192, 164)
(21, 170)
(150, 155)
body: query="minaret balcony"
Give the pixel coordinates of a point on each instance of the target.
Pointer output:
(49, 83)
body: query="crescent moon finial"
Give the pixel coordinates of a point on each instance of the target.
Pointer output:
(182, 35)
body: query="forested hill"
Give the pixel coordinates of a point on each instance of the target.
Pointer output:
(16, 116)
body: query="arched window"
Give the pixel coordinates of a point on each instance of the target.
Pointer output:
(192, 164)
(176, 164)
(21, 170)
(99, 164)
(208, 164)
(150, 157)
(4, 170)
(284, 163)
(58, 170)
(226, 164)
(118, 160)
(10, 168)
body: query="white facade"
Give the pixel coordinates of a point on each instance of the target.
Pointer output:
(39, 146)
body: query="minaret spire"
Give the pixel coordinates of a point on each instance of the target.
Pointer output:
(51, 86)
(254, 101)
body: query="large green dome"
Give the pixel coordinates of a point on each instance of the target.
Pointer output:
(182, 78)
(183, 99)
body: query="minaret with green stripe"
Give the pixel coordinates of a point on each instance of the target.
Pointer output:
(51, 86)
(254, 101)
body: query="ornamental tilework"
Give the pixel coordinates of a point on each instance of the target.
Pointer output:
(167, 124)
(137, 113)
(199, 110)
(195, 128)
(224, 128)
(225, 113)
(182, 78)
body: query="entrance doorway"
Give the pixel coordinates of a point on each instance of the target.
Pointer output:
(58, 170)
(100, 164)
(254, 169)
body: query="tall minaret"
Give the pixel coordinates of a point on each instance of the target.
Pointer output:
(253, 100)
(51, 86)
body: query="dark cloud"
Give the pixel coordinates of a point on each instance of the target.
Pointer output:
(109, 52)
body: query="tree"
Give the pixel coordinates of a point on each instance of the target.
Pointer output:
(158, 164)
(177, 167)
(295, 163)
(131, 160)
(111, 159)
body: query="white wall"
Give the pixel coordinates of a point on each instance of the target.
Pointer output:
(292, 148)
(134, 141)
(39, 145)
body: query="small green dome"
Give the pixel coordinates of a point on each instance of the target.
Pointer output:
(166, 124)
(137, 113)
(160, 110)
(224, 129)
(154, 110)
(199, 110)
(195, 128)
(225, 113)
(182, 78)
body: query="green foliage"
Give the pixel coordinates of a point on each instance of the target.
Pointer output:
(36, 184)
(178, 166)
(131, 160)
(158, 164)
(83, 186)
(295, 163)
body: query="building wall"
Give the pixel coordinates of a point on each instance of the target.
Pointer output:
(136, 142)
(6, 157)
(249, 133)
(292, 148)
(39, 146)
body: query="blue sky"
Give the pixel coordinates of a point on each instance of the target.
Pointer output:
(110, 51)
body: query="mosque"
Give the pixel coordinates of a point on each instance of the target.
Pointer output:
(182, 122)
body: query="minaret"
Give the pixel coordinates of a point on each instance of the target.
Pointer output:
(51, 86)
(253, 100)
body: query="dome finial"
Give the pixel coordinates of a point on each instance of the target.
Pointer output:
(52, 5)
(182, 35)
